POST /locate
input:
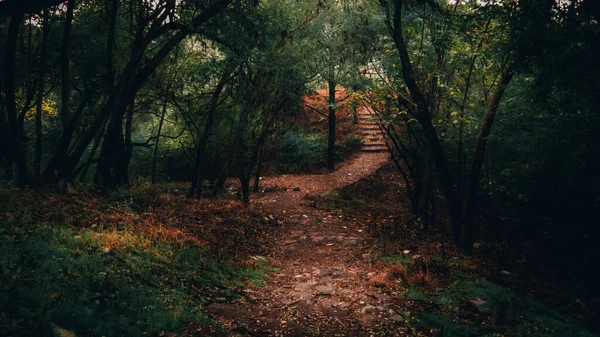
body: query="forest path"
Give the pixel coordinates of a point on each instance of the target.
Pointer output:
(321, 287)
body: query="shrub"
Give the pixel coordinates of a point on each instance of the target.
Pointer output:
(302, 152)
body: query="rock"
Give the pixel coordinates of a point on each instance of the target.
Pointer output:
(340, 274)
(303, 295)
(303, 237)
(480, 305)
(325, 290)
(368, 320)
(325, 280)
(352, 242)
(300, 277)
(340, 238)
(380, 297)
(396, 318)
(371, 309)
(60, 332)
(335, 311)
(302, 287)
(317, 239)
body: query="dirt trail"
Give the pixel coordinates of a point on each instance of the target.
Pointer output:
(322, 288)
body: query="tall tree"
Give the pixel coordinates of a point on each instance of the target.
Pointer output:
(17, 153)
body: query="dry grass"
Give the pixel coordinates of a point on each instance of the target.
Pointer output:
(381, 281)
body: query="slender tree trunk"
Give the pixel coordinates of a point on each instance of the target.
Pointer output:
(460, 148)
(257, 176)
(424, 119)
(203, 140)
(5, 164)
(40, 94)
(128, 153)
(110, 45)
(112, 151)
(245, 183)
(58, 157)
(222, 177)
(468, 204)
(331, 124)
(65, 110)
(129, 84)
(17, 151)
(66, 115)
(90, 160)
(155, 155)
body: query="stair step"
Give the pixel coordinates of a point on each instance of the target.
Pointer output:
(374, 150)
(374, 144)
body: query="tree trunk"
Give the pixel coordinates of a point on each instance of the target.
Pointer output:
(110, 45)
(331, 124)
(40, 94)
(126, 160)
(65, 109)
(245, 184)
(130, 82)
(58, 157)
(424, 119)
(5, 164)
(111, 152)
(470, 193)
(90, 160)
(257, 176)
(17, 151)
(155, 156)
(203, 140)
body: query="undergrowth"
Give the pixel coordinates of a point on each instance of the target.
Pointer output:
(105, 270)
(306, 151)
(443, 302)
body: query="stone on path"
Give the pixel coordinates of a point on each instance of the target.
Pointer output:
(396, 318)
(325, 290)
(303, 295)
(302, 287)
(371, 309)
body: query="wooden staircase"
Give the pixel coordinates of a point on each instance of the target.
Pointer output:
(368, 126)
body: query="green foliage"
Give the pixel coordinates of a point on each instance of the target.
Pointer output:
(301, 151)
(306, 151)
(57, 275)
(526, 316)
(352, 143)
(446, 324)
(399, 259)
